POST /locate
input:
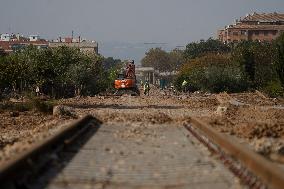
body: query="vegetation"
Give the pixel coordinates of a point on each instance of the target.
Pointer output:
(279, 60)
(206, 65)
(213, 73)
(215, 67)
(194, 50)
(59, 72)
(162, 60)
(35, 104)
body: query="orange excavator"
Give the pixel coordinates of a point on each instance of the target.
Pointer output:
(126, 81)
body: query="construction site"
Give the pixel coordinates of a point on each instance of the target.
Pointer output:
(145, 142)
(152, 98)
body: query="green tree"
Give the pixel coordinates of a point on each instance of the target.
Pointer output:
(58, 72)
(157, 58)
(279, 43)
(213, 73)
(194, 50)
(256, 61)
(176, 59)
(110, 62)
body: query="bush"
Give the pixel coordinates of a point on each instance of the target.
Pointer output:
(256, 62)
(42, 106)
(213, 73)
(35, 104)
(58, 72)
(11, 106)
(274, 89)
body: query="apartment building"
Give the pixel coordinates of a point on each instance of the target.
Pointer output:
(262, 27)
(13, 42)
(85, 46)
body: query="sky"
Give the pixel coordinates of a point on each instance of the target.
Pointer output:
(122, 27)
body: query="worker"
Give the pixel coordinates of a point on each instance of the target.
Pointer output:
(141, 83)
(184, 85)
(37, 91)
(130, 69)
(146, 88)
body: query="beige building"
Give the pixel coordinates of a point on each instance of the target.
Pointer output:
(84, 46)
(262, 27)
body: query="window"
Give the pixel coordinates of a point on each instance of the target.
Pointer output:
(265, 33)
(243, 32)
(256, 32)
(235, 33)
(274, 32)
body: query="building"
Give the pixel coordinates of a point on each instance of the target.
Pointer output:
(262, 27)
(145, 74)
(13, 42)
(34, 38)
(84, 45)
(5, 37)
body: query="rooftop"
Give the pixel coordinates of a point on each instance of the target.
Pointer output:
(259, 27)
(263, 17)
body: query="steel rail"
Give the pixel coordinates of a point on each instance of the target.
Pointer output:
(15, 169)
(268, 172)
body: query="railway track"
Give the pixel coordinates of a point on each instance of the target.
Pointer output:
(96, 155)
(15, 172)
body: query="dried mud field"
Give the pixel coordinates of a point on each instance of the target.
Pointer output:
(19, 130)
(252, 118)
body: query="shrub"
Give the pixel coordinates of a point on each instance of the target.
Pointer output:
(58, 72)
(274, 89)
(35, 104)
(213, 73)
(42, 106)
(255, 60)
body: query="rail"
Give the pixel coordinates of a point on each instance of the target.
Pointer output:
(268, 172)
(16, 169)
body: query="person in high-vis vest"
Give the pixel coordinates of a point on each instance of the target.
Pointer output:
(184, 85)
(146, 88)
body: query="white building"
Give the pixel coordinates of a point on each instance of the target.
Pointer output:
(6, 37)
(34, 37)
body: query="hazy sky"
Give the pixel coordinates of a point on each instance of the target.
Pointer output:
(169, 21)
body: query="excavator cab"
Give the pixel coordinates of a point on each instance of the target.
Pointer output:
(126, 82)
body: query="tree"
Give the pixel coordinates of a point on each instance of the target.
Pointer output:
(162, 60)
(176, 59)
(57, 72)
(256, 61)
(194, 50)
(157, 58)
(279, 43)
(110, 62)
(213, 73)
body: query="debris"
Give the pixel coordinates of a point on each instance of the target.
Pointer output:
(61, 110)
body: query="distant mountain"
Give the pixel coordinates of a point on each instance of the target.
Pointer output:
(134, 51)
